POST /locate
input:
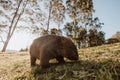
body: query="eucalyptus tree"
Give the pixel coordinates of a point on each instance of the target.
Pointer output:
(18, 15)
(94, 23)
(79, 9)
(96, 37)
(101, 35)
(58, 12)
(68, 29)
(81, 34)
(55, 12)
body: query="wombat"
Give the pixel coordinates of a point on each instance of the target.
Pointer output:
(52, 46)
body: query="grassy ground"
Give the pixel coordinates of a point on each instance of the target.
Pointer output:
(96, 63)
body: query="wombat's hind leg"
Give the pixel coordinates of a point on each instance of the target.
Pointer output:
(33, 61)
(60, 59)
(44, 63)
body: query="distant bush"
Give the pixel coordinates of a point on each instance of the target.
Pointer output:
(112, 40)
(22, 50)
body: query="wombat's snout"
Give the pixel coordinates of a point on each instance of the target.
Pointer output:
(76, 55)
(76, 58)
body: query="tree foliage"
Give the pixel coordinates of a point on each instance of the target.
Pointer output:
(13, 21)
(36, 16)
(85, 37)
(55, 13)
(58, 12)
(19, 15)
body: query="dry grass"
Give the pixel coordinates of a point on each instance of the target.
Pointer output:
(12, 63)
(96, 63)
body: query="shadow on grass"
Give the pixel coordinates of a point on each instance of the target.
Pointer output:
(79, 70)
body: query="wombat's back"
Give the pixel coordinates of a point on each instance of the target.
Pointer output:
(42, 41)
(46, 39)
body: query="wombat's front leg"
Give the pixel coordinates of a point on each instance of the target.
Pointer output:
(33, 61)
(60, 59)
(44, 63)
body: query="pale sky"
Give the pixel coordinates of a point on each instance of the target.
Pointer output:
(107, 10)
(109, 13)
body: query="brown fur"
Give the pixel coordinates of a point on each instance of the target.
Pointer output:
(52, 46)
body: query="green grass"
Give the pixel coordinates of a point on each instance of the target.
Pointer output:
(96, 63)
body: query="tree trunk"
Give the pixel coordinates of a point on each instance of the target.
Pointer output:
(6, 44)
(9, 36)
(75, 32)
(50, 8)
(13, 27)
